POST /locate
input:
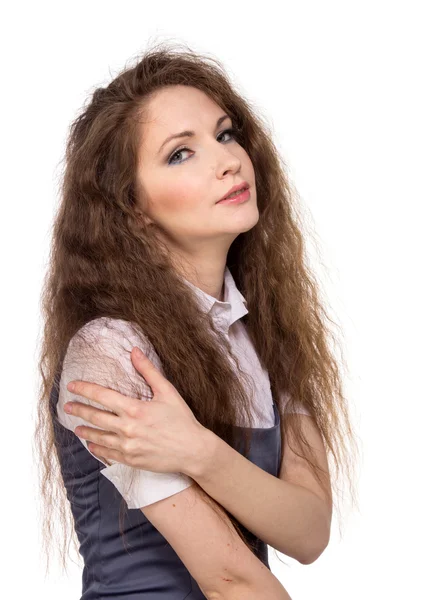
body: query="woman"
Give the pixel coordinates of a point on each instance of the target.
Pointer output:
(218, 297)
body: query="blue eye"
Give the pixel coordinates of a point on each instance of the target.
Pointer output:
(232, 132)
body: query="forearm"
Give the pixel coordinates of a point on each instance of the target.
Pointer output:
(288, 517)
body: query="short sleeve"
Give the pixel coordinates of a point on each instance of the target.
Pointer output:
(298, 406)
(101, 352)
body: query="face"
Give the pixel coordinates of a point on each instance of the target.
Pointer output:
(181, 180)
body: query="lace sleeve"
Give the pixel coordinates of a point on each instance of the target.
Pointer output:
(100, 352)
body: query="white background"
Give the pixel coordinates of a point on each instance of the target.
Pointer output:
(350, 90)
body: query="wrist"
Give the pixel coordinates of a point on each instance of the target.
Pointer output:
(203, 451)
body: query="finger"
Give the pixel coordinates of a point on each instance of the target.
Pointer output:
(152, 375)
(107, 397)
(107, 453)
(95, 416)
(102, 438)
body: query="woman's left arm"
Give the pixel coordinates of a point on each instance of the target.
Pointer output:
(288, 516)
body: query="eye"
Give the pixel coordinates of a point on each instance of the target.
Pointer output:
(233, 132)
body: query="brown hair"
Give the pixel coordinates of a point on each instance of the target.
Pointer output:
(105, 263)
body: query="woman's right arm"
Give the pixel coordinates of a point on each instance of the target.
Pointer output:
(269, 588)
(210, 548)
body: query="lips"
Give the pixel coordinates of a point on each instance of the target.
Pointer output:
(236, 188)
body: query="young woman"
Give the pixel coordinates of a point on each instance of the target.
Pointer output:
(214, 443)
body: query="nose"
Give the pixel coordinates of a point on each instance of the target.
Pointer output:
(227, 161)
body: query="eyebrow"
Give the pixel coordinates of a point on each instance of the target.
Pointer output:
(189, 133)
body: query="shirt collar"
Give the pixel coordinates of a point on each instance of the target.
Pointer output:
(227, 312)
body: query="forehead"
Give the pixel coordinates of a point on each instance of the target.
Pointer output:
(176, 108)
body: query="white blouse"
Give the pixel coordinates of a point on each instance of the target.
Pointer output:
(115, 339)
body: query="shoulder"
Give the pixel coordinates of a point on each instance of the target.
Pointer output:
(103, 328)
(112, 337)
(100, 351)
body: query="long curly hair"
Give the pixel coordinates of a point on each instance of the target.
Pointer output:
(104, 262)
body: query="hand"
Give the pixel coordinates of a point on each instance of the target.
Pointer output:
(160, 435)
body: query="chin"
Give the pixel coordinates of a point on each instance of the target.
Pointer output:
(247, 223)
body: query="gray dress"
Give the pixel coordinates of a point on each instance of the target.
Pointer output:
(142, 565)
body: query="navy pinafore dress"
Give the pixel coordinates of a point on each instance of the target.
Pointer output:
(142, 565)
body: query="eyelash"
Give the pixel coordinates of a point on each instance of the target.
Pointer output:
(232, 131)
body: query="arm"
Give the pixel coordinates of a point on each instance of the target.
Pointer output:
(288, 516)
(211, 550)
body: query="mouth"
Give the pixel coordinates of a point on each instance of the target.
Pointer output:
(237, 198)
(235, 191)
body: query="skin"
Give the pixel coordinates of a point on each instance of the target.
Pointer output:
(180, 197)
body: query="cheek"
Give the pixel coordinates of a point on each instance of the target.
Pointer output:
(178, 196)
(246, 160)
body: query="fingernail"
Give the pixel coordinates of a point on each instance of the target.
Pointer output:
(68, 408)
(137, 352)
(71, 387)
